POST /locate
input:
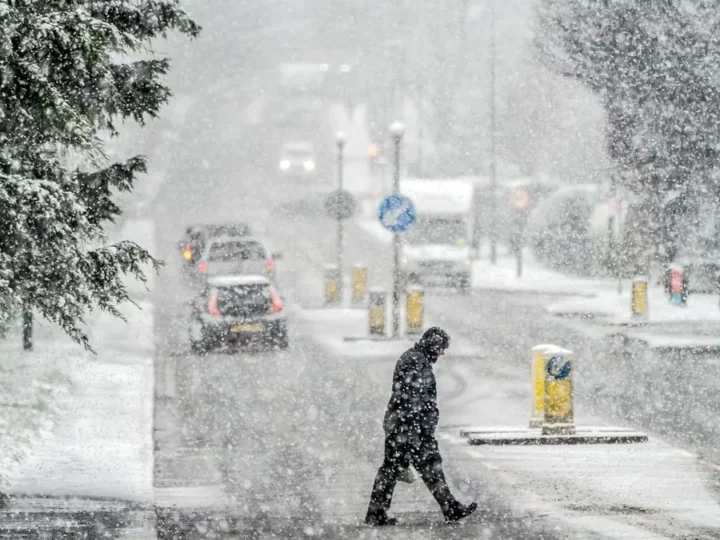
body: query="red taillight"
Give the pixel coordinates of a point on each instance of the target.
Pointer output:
(212, 305)
(202, 267)
(277, 303)
(270, 265)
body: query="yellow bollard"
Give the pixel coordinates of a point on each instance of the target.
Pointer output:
(376, 312)
(559, 411)
(537, 384)
(414, 310)
(639, 298)
(359, 283)
(332, 284)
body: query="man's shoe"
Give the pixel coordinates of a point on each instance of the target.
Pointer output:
(380, 519)
(459, 512)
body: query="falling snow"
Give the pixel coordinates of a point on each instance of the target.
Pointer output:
(195, 345)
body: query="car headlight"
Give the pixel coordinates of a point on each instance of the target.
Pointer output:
(309, 166)
(284, 165)
(403, 260)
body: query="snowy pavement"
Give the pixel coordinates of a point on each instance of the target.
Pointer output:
(32, 385)
(693, 327)
(101, 444)
(83, 461)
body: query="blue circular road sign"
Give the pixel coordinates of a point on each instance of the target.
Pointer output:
(396, 213)
(558, 368)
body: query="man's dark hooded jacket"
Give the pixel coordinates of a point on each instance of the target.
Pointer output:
(413, 404)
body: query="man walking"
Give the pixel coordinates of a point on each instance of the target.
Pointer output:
(410, 422)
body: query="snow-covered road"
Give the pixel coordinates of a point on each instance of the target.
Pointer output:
(286, 443)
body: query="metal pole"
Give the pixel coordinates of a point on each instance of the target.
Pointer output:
(27, 328)
(616, 244)
(340, 145)
(396, 247)
(493, 171)
(519, 266)
(420, 121)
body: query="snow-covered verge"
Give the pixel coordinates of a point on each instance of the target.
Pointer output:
(72, 422)
(594, 305)
(503, 276)
(637, 491)
(90, 430)
(666, 326)
(610, 307)
(535, 278)
(31, 386)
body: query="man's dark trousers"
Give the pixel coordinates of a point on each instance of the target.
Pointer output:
(403, 447)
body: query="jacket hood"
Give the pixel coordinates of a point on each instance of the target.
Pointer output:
(422, 347)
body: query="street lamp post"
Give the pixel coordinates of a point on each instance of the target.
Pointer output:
(493, 165)
(340, 140)
(397, 129)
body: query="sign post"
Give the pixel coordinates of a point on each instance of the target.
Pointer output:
(340, 139)
(520, 202)
(397, 129)
(340, 205)
(396, 214)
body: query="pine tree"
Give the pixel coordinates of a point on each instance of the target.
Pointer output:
(65, 77)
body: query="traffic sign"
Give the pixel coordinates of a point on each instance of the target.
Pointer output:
(340, 204)
(396, 213)
(558, 368)
(520, 199)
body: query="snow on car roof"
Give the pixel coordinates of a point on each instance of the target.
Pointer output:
(439, 195)
(230, 281)
(231, 239)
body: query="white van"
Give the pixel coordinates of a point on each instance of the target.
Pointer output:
(436, 248)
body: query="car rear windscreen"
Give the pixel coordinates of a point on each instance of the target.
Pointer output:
(236, 251)
(244, 300)
(239, 229)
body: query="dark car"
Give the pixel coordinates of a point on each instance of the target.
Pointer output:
(236, 310)
(197, 237)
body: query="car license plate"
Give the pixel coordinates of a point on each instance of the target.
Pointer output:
(250, 327)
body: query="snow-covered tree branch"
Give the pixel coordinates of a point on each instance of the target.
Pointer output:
(656, 67)
(64, 77)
